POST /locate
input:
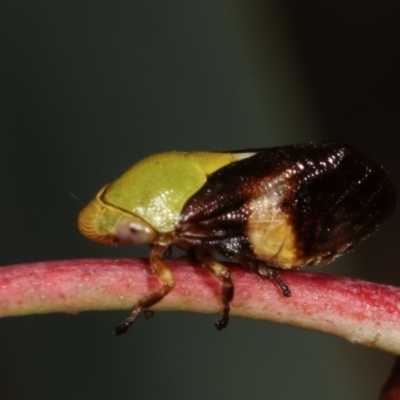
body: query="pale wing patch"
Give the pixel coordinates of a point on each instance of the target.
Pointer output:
(242, 156)
(270, 231)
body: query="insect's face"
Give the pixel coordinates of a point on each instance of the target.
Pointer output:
(106, 223)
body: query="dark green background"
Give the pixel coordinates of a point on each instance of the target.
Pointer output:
(87, 88)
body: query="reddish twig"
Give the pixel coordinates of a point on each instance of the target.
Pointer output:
(359, 311)
(391, 390)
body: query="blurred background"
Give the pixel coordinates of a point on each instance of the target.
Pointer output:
(87, 88)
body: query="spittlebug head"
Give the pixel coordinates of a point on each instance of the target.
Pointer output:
(146, 201)
(105, 223)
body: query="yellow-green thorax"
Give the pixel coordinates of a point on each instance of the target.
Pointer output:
(154, 190)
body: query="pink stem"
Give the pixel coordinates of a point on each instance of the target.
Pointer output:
(359, 311)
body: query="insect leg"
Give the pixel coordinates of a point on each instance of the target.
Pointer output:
(224, 275)
(166, 278)
(273, 275)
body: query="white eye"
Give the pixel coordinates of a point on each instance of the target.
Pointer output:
(135, 231)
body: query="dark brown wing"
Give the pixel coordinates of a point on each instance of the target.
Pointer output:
(332, 195)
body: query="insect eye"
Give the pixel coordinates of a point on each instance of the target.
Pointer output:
(132, 231)
(134, 228)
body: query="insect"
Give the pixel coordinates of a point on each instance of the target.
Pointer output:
(282, 207)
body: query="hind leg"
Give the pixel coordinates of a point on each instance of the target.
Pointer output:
(273, 275)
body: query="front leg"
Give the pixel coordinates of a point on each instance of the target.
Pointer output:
(165, 276)
(223, 274)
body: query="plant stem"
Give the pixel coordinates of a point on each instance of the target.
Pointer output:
(391, 389)
(359, 311)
